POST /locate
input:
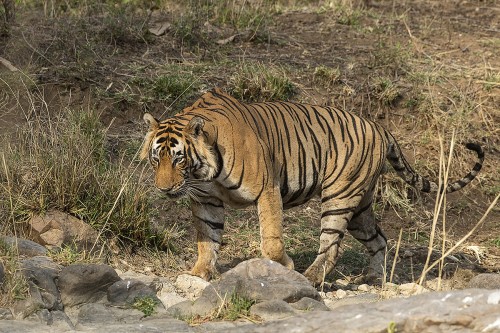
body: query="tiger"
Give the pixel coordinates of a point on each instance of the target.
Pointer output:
(277, 155)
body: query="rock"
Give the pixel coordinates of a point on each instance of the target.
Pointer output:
(272, 310)
(28, 306)
(485, 281)
(340, 293)
(169, 299)
(43, 272)
(5, 314)
(471, 310)
(191, 286)
(410, 289)
(309, 304)
(95, 315)
(154, 282)
(361, 298)
(18, 326)
(56, 229)
(85, 283)
(364, 288)
(262, 280)
(62, 321)
(203, 306)
(125, 292)
(25, 247)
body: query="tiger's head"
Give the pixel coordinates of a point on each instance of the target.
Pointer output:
(181, 152)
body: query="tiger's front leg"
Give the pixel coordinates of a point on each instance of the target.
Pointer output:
(209, 222)
(270, 210)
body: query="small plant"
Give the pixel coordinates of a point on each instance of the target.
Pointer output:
(236, 307)
(254, 82)
(326, 75)
(146, 305)
(385, 90)
(69, 254)
(391, 328)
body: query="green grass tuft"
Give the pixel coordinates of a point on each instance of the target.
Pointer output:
(257, 82)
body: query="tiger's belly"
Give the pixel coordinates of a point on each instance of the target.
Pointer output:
(240, 198)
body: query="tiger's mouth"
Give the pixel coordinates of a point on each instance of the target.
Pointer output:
(175, 192)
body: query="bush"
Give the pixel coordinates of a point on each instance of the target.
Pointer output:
(61, 163)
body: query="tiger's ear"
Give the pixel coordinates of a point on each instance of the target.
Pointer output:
(195, 126)
(153, 126)
(151, 121)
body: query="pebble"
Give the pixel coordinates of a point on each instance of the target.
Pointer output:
(364, 287)
(340, 293)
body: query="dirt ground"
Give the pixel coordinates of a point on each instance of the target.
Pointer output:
(444, 53)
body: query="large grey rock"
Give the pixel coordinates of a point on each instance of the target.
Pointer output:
(190, 286)
(5, 314)
(43, 272)
(358, 299)
(485, 281)
(125, 292)
(309, 304)
(97, 315)
(203, 306)
(30, 305)
(272, 310)
(25, 247)
(85, 283)
(23, 326)
(471, 310)
(262, 280)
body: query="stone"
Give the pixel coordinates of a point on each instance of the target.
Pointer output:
(262, 280)
(25, 247)
(58, 229)
(202, 307)
(169, 299)
(95, 315)
(485, 281)
(5, 314)
(340, 293)
(85, 283)
(364, 288)
(410, 289)
(26, 307)
(43, 273)
(471, 310)
(272, 310)
(125, 292)
(191, 286)
(358, 299)
(23, 326)
(309, 304)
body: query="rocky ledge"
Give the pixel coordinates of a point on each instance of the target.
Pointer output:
(98, 298)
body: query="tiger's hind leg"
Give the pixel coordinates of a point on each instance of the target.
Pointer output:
(365, 229)
(335, 215)
(209, 222)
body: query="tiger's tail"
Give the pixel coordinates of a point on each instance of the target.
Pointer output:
(405, 171)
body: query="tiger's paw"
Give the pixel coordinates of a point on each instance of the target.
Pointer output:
(203, 272)
(315, 275)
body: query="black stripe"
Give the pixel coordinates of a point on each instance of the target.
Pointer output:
(369, 239)
(212, 224)
(340, 211)
(332, 231)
